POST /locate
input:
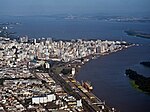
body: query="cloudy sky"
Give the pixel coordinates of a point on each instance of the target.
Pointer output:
(47, 7)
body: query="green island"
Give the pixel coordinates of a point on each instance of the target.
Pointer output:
(137, 34)
(147, 64)
(139, 81)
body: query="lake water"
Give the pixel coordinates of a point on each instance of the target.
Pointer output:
(107, 72)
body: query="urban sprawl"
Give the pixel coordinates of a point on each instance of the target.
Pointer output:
(39, 75)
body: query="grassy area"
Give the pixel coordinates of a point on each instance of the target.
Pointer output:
(132, 82)
(139, 82)
(57, 70)
(63, 69)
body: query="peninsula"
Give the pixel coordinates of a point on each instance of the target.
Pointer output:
(137, 34)
(141, 82)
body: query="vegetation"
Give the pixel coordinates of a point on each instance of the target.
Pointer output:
(135, 86)
(140, 82)
(147, 64)
(137, 34)
(63, 70)
(66, 71)
(57, 70)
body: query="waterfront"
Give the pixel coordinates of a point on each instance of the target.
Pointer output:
(110, 84)
(61, 73)
(107, 72)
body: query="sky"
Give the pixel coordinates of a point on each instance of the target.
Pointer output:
(49, 7)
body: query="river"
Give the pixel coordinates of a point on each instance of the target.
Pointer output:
(110, 84)
(107, 72)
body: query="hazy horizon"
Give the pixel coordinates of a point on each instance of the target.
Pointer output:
(50, 7)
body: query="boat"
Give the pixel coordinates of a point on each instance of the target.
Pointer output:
(87, 85)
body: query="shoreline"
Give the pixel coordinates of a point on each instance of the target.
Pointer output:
(140, 82)
(137, 34)
(96, 57)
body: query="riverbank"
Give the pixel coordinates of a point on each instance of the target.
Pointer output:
(106, 74)
(78, 64)
(95, 56)
(140, 82)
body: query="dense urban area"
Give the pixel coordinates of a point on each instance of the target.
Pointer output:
(38, 75)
